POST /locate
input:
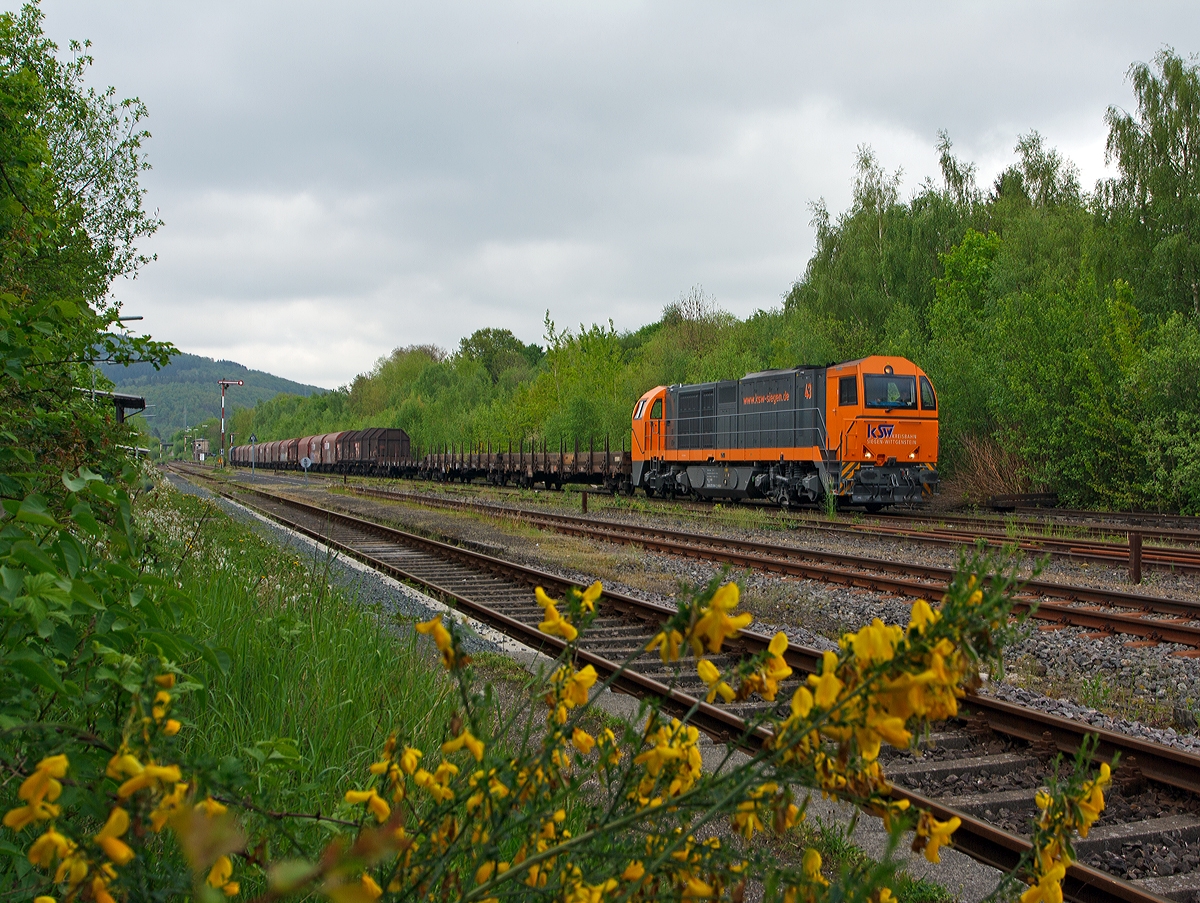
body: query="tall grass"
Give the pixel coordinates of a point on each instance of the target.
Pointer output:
(316, 681)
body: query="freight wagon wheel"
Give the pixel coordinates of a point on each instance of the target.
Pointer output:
(873, 508)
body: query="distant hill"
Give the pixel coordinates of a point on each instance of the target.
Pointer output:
(189, 384)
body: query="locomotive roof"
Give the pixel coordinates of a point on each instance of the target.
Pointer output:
(789, 370)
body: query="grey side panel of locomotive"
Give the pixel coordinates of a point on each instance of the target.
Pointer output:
(766, 402)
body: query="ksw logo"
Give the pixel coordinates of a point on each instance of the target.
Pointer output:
(880, 430)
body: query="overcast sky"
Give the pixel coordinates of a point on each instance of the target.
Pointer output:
(340, 179)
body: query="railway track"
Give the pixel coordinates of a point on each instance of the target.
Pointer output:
(959, 777)
(1176, 560)
(1052, 603)
(1023, 523)
(1074, 548)
(1146, 618)
(1078, 535)
(1140, 520)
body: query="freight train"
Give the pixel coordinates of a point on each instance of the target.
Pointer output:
(861, 433)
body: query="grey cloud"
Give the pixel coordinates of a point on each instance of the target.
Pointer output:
(423, 170)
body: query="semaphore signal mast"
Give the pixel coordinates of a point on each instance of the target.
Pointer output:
(223, 383)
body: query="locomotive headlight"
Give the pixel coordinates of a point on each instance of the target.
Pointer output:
(912, 456)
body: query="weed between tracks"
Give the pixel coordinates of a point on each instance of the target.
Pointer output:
(1098, 691)
(783, 601)
(608, 562)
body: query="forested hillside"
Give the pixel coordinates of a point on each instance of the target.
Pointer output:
(1061, 326)
(185, 392)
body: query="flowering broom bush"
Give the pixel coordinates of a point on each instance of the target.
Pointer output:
(549, 802)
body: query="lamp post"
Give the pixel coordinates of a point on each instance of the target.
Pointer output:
(223, 383)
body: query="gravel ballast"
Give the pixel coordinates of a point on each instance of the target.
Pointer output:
(1142, 678)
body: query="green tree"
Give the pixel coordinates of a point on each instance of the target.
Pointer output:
(1168, 428)
(501, 353)
(964, 377)
(869, 284)
(1155, 201)
(70, 215)
(89, 156)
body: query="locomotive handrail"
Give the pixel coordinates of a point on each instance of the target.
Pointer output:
(818, 428)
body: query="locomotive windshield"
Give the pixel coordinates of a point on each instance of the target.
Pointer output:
(889, 391)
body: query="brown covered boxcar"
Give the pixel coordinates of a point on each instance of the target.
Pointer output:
(378, 451)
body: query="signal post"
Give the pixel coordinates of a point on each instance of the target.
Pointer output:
(223, 383)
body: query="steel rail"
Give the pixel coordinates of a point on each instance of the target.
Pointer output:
(1160, 763)
(880, 521)
(1069, 548)
(983, 842)
(853, 570)
(1177, 560)
(1138, 519)
(1096, 527)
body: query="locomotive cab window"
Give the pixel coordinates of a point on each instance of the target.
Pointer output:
(889, 391)
(637, 411)
(656, 411)
(848, 391)
(928, 399)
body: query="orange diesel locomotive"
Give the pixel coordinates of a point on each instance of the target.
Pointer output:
(865, 432)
